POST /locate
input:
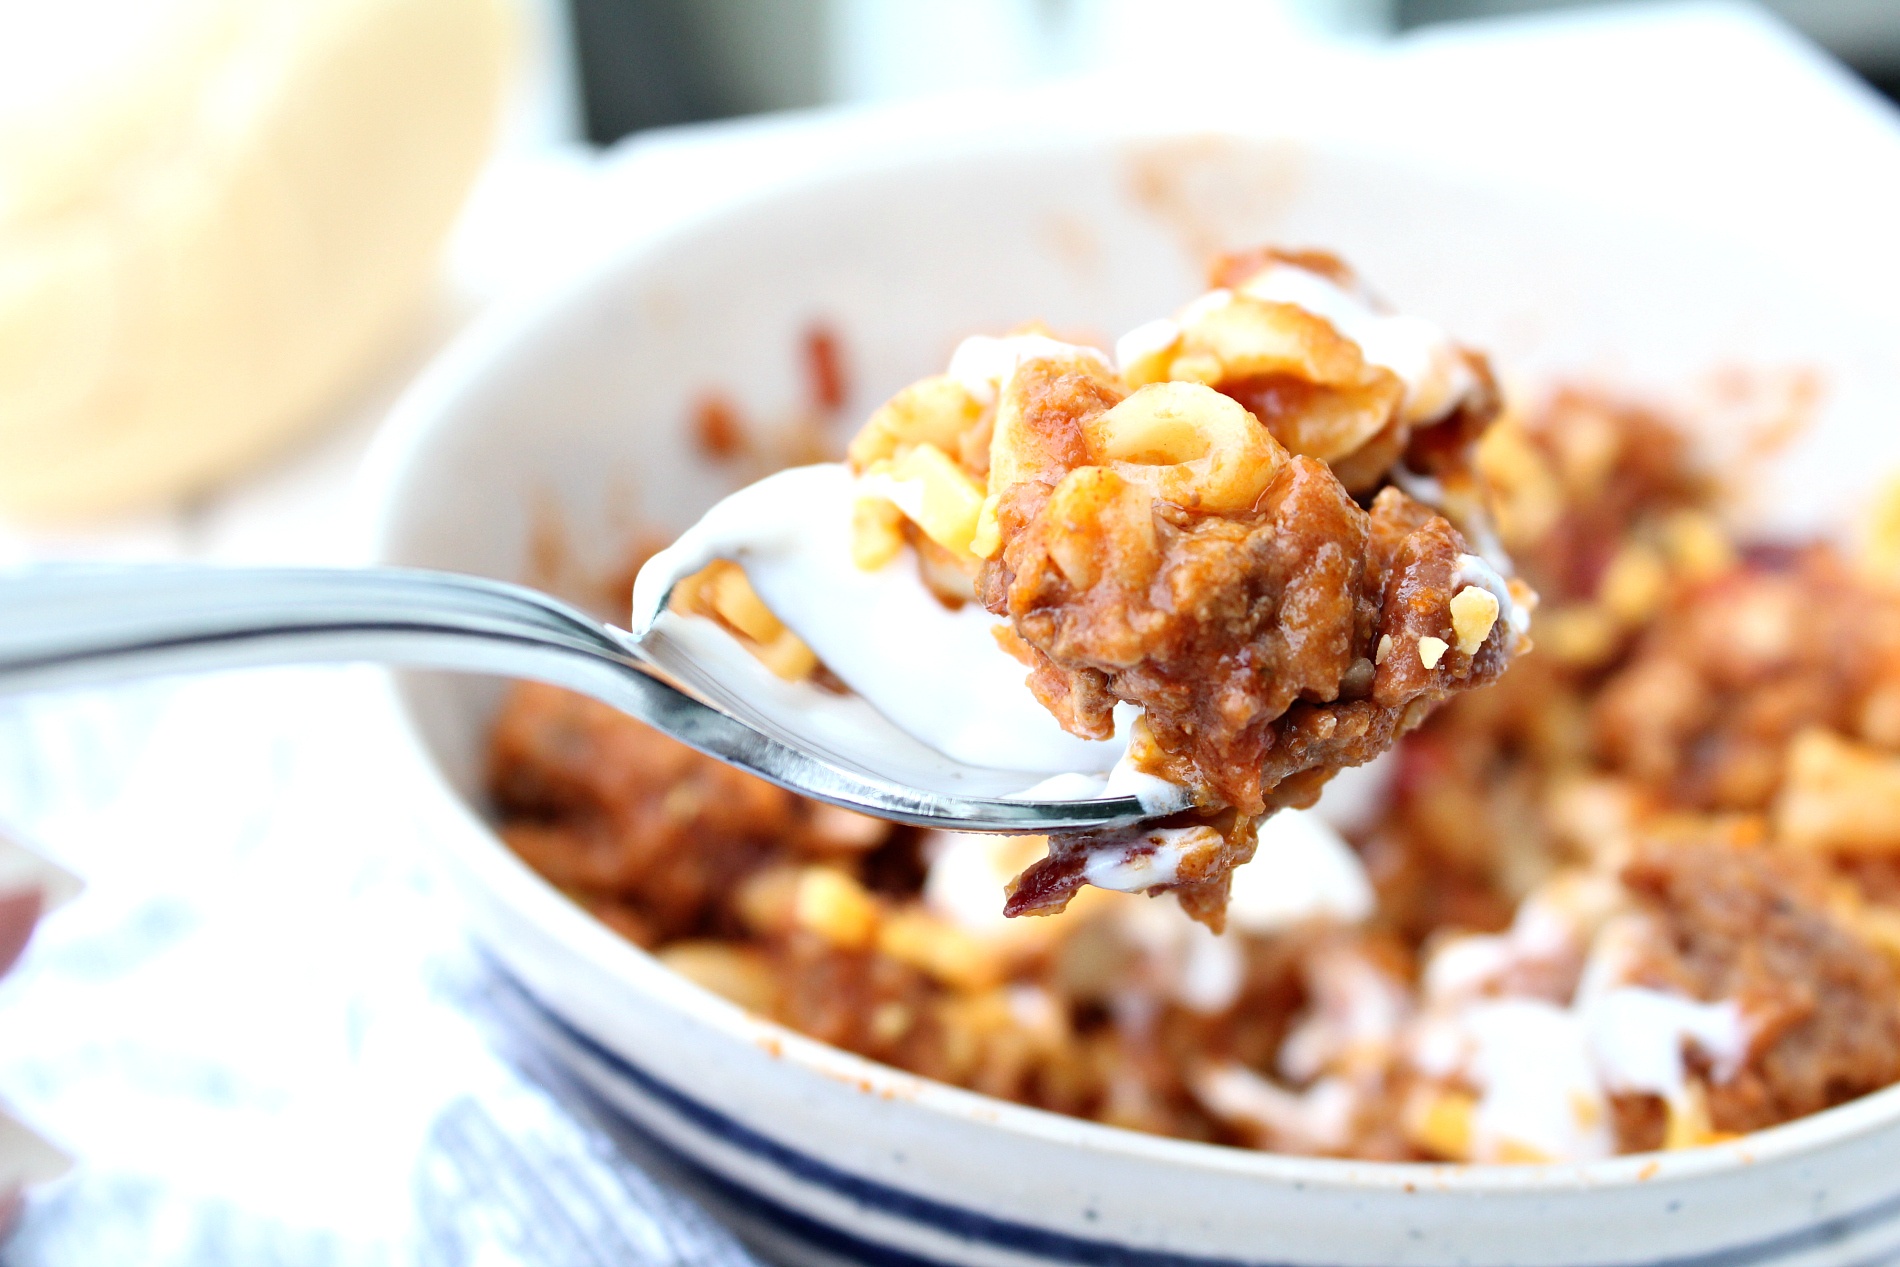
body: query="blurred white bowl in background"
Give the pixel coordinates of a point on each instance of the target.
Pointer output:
(575, 408)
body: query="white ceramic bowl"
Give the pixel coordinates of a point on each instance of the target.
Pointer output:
(580, 400)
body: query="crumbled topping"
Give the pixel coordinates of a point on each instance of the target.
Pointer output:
(1474, 610)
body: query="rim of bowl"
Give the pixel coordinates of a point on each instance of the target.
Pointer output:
(424, 411)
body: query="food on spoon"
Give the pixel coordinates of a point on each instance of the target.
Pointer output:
(1210, 566)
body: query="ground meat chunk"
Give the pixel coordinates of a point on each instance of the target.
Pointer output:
(1705, 708)
(1268, 649)
(1751, 924)
(1162, 548)
(1252, 641)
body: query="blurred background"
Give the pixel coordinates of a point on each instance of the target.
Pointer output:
(223, 222)
(644, 63)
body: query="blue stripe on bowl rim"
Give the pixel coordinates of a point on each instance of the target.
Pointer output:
(970, 1225)
(725, 1197)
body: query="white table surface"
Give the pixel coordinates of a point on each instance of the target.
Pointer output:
(259, 1030)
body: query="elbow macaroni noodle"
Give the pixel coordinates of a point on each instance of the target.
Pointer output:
(1188, 445)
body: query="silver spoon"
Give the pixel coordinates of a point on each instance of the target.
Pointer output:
(83, 625)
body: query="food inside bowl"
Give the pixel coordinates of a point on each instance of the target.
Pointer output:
(1205, 549)
(1642, 892)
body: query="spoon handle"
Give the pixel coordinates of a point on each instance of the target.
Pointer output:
(80, 624)
(84, 625)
